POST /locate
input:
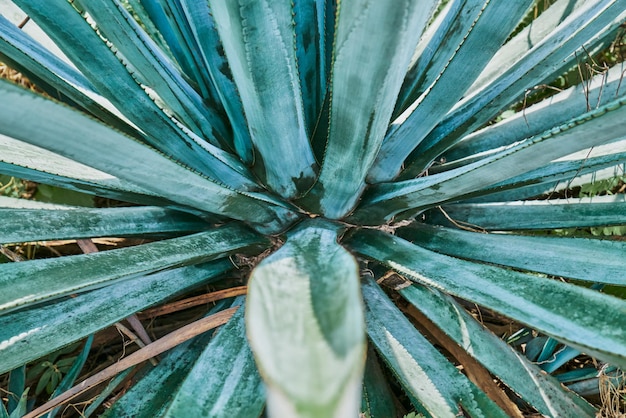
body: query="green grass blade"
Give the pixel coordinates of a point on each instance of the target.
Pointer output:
(43, 280)
(542, 391)
(372, 49)
(305, 323)
(542, 214)
(478, 32)
(577, 258)
(425, 374)
(63, 130)
(596, 127)
(16, 386)
(593, 325)
(106, 391)
(580, 32)
(259, 41)
(71, 375)
(74, 223)
(224, 382)
(21, 409)
(28, 334)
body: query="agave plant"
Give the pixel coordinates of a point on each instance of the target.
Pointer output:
(354, 153)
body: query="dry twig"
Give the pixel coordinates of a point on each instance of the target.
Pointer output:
(161, 345)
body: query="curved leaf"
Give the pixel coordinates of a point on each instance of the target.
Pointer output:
(440, 389)
(207, 38)
(425, 57)
(16, 386)
(51, 74)
(596, 127)
(224, 381)
(528, 38)
(544, 115)
(580, 168)
(542, 214)
(72, 223)
(28, 334)
(107, 390)
(111, 151)
(81, 186)
(326, 14)
(155, 69)
(42, 280)
(305, 323)
(478, 32)
(34, 163)
(259, 41)
(558, 177)
(372, 49)
(152, 394)
(377, 400)
(39, 58)
(16, 203)
(542, 391)
(577, 258)
(582, 30)
(141, 15)
(72, 374)
(22, 406)
(112, 78)
(309, 26)
(169, 17)
(593, 326)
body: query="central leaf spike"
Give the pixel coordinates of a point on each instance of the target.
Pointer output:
(306, 326)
